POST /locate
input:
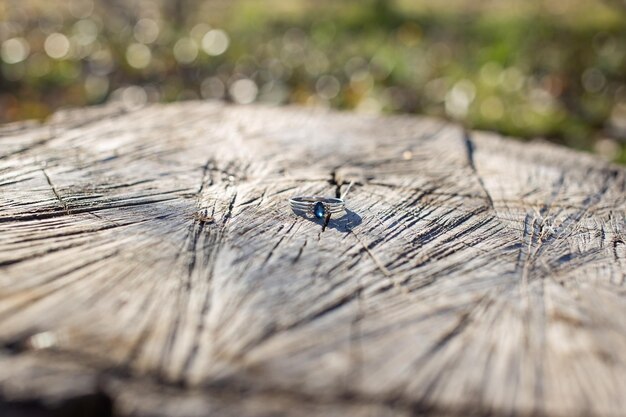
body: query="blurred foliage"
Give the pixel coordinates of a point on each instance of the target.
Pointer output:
(525, 69)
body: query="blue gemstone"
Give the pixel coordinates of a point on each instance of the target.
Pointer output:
(319, 210)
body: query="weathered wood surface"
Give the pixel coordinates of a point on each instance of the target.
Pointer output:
(149, 265)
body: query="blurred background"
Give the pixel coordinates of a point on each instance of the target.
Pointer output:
(527, 68)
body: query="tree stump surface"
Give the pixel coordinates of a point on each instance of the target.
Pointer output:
(150, 266)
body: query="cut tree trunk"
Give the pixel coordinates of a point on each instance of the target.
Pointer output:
(150, 265)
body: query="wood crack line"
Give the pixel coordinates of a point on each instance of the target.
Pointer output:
(470, 147)
(54, 190)
(377, 261)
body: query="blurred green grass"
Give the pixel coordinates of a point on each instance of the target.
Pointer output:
(526, 69)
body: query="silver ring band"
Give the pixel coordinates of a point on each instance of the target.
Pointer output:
(317, 205)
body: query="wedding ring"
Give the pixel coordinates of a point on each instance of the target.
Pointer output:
(318, 206)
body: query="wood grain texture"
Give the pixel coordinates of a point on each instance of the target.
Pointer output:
(149, 265)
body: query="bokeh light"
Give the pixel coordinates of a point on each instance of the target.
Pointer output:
(215, 42)
(14, 50)
(146, 31)
(185, 50)
(459, 98)
(86, 31)
(212, 88)
(138, 55)
(57, 45)
(328, 87)
(243, 91)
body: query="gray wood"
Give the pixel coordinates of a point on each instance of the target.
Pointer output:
(149, 265)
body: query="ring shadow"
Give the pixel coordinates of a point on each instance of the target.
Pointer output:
(343, 224)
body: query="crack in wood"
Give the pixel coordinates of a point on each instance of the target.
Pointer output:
(43, 215)
(381, 266)
(470, 147)
(56, 193)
